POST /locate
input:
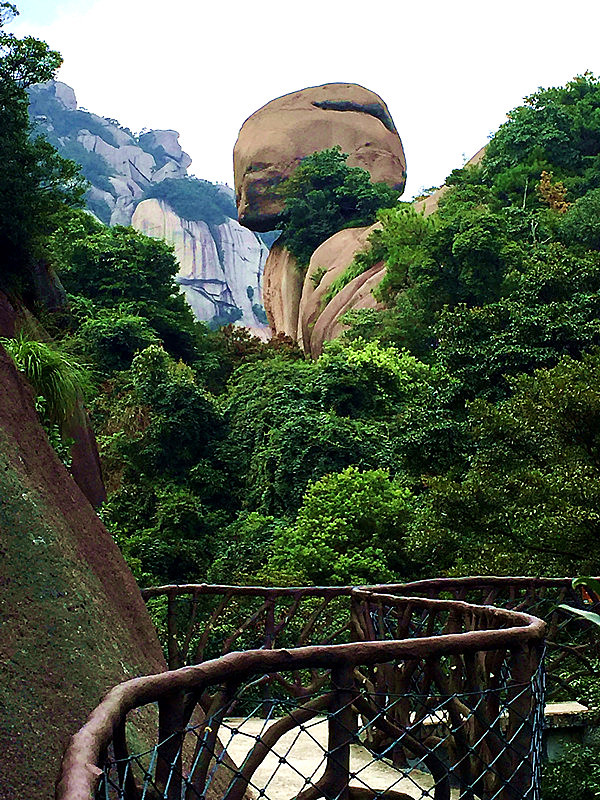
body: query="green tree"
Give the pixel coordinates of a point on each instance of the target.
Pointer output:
(531, 492)
(325, 195)
(35, 183)
(349, 530)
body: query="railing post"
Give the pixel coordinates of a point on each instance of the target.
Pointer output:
(170, 738)
(336, 778)
(522, 716)
(173, 657)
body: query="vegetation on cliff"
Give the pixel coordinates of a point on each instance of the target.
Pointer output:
(325, 195)
(193, 199)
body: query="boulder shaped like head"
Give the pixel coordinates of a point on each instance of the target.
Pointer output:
(274, 140)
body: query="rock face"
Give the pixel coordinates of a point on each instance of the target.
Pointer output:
(296, 305)
(73, 620)
(282, 291)
(274, 140)
(318, 321)
(220, 266)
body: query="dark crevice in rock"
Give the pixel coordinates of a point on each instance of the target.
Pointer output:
(373, 109)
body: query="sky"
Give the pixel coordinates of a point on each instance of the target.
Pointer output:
(449, 70)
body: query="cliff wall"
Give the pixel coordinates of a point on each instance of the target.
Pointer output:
(73, 620)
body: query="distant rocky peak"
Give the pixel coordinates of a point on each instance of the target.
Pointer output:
(142, 180)
(165, 147)
(63, 93)
(118, 164)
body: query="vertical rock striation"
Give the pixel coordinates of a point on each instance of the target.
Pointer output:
(220, 266)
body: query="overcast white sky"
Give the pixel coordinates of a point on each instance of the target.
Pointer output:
(449, 70)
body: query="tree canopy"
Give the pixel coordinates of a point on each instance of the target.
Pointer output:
(323, 196)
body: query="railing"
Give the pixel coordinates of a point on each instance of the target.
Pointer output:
(199, 621)
(433, 698)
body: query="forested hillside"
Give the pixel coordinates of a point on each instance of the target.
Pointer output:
(454, 431)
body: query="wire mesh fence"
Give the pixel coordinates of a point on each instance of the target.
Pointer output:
(197, 622)
(430, 699)
(346, 741)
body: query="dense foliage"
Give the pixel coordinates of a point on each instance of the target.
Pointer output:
(36, 182)
(456, 430)
(325, 195)
(194, 199)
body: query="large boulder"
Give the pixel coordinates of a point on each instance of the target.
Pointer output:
(73, 620)
(274, 140)
(318, 320)
(327, 263)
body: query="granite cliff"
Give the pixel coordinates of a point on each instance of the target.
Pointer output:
(221, 265)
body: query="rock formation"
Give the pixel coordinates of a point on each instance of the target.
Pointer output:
(273, 141)
(220, 266)
(318, 321)
(73, 620)
(271, 144)
(282, 291)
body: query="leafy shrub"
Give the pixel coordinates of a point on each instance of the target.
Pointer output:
(576, 775)
(111, 340)
(581, 222)
(54, 374)
(325, 195)
(349, 529)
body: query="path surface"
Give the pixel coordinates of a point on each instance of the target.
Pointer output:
(304, 753)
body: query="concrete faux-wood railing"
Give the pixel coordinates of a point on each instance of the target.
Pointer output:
(200, 621)
(433, 698)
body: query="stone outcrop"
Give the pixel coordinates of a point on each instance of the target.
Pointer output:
(302, 308)
(73, 620)
(282, 291)
(220, 266)
(296, 306)
(327, 263)
(354, 296)
(274, 140)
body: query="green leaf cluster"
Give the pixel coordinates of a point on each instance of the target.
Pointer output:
(194, 199)
(324, 195)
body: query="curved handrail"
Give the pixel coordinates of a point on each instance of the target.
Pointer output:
(80, 770)
(472, 581)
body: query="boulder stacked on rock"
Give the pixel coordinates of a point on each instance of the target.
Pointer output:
(271, 145)
(274, 140)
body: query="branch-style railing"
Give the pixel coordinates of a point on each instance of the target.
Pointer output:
(434, 698)
(199, 621)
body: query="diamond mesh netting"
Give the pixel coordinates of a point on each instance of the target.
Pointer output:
(431, 699)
